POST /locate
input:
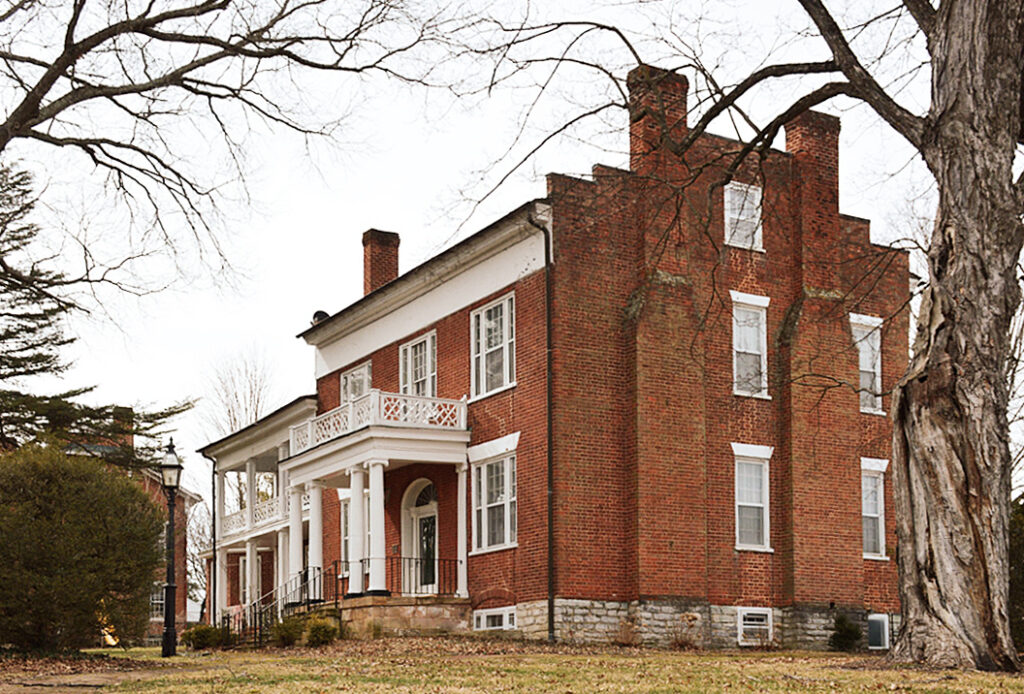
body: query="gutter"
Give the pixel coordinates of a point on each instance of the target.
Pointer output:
(548, 305)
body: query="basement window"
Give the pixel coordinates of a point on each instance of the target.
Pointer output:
(754, 626)
(878, 631)
(497, 618)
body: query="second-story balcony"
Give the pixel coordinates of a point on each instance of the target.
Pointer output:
(264, 513)
(377, 408)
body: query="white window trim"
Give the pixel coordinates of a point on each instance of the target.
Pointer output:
(741, 611)
(885, 621)
(758, 303)
(871, 324)
(405, 364)
(742, 188)
(494, 448)
(474, 395)
(475, 472)
(343, 390)
(750, 453)
(874, 464)
(876, 467)
(505, 612)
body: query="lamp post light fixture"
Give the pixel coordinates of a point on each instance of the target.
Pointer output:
(170, 474)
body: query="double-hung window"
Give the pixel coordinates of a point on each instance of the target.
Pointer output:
(346, 522)
(753, 530)
(872, 495)
(743, 216)
(418, 366)
(867, 337)
(156, 601)
(355, 383)
(494, 346)
(750, 344)
(494, 504)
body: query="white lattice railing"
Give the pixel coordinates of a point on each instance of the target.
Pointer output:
(234, 522)
(266, 510)
(378, 408)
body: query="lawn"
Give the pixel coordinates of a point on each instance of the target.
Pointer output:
(457, 664)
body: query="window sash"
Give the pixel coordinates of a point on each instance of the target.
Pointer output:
(873, 513)
(494, 503)
(751, 499)
(493, 339)
(743, 212)
(868, 340)
(750, 349)
(355, 383)
(418, 366)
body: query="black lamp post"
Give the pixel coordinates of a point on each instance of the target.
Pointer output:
(170, 472)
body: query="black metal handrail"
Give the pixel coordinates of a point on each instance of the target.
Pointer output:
(416, 576)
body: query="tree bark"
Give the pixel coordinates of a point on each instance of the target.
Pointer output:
(951, 469)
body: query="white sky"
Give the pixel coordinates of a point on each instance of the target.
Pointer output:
(405, 159)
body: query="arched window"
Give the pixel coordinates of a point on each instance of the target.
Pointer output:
(426, 496)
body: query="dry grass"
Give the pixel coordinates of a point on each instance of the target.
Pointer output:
(457, 664)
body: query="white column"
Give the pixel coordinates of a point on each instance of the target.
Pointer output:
(222, 582)
(251, 575)
(294, 531)
(378, 563)
(462, 587)
(282, 492)
(281, 565)
(250, 492)
(316, 534)
(281, 574)
(356, 530)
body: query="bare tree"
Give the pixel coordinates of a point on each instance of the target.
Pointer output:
(241, 391)
(147, 93)
(952, 463)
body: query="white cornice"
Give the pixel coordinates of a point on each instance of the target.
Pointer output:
(433, 273)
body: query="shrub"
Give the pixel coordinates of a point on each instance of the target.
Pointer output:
(203, 636)
(320, 633)
(287, 632)
(845, 634)
(80, 545)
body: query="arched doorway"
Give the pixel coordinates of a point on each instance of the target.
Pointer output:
(419, 538)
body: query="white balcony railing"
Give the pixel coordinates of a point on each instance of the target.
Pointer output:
(266, 510)
(379, 408)
(234, 522)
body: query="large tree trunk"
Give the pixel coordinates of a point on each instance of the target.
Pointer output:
(951, 467)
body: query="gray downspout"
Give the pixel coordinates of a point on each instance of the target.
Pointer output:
(550, 420)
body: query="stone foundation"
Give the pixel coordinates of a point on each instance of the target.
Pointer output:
(373, 615)
(680, 623)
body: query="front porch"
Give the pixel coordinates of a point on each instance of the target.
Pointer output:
(367, 513)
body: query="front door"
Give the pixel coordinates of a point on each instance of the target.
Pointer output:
(424, 569)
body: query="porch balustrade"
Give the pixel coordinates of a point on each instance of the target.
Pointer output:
(266, 512)
(377, 408)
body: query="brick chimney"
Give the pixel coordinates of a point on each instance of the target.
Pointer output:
(380, 259)
(813, 140)
(657, 113)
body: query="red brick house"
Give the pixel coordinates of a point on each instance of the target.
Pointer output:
(648, 406)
